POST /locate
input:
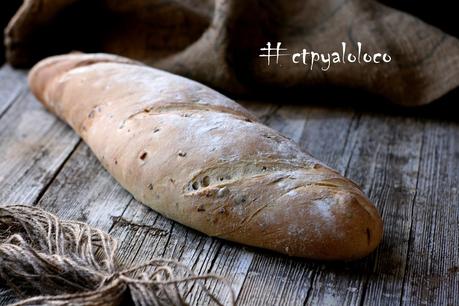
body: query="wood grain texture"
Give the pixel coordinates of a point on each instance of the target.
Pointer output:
(433, 246)
(408, 165)
(33, 143)
(12, 86)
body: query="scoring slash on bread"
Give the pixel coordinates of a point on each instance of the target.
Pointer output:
(201, 159)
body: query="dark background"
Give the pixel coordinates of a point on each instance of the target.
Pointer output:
(7, 10)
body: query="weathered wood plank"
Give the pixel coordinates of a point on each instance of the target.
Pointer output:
(432, 270)
(13, 84)
(392, 183)
(84, 191)
(385, 155)
(33, 145)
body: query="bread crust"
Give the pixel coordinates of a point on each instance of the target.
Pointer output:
(201, 159)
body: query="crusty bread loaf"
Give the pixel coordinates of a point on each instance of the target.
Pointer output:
(201, 159)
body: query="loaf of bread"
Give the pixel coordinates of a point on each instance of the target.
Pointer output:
(201, 159)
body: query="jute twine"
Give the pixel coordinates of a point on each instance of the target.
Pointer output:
(48, 261)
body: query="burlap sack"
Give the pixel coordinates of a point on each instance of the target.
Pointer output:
(218, 42)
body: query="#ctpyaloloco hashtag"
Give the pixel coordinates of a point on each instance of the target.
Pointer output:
(311, 58)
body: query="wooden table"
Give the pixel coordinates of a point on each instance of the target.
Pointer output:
(406, 161)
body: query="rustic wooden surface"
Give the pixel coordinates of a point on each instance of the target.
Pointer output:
(408, 164)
